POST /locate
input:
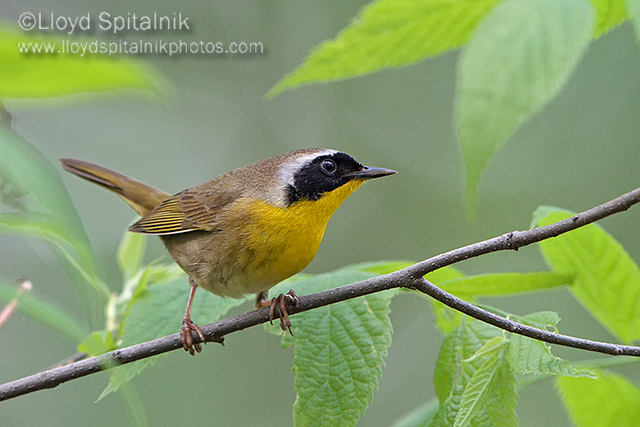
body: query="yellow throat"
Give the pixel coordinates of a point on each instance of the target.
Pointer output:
(285, 240)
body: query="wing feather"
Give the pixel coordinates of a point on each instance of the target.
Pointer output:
(190, 210)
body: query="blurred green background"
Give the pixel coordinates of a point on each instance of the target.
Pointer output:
(580, 151)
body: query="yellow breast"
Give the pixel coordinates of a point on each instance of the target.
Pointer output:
(285, 240)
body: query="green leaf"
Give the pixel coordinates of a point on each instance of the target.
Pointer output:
(518, 59)
(389, 34)
(158, 312)
(611, 400)
(500, 284)
(98, 342)
(119, 305)
(533, 357)
(501, 398)
(339, 351)
(47, 228)
(418, 417)
(446, 318)
(46, 75)
(607, 280)
(493, 376)
(48, 211)
(45, 312)
(609, 14)
(463, 353)
(547, 320)
(538, 218)
(122, 375)
(130, 253)
(634, 10)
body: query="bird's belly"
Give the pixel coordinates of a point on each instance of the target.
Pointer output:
(263, 250)
(275, 248)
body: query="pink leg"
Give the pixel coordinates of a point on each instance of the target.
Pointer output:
(188, 326)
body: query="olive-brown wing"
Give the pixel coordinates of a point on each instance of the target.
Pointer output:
(189, 210)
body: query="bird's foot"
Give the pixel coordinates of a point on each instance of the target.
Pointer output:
(280, 304)
(187, 338)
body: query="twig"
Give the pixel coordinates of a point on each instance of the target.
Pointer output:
(518, 328)
(410, 277)
(24, 286)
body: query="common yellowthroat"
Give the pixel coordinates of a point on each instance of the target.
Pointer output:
(247, 230)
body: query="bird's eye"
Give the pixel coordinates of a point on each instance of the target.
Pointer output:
(328, 166)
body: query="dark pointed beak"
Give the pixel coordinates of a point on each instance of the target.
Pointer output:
(368, 172)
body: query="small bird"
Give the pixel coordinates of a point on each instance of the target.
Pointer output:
(247, 230)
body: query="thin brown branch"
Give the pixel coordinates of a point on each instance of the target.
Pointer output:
(410, 277)
(518, 328)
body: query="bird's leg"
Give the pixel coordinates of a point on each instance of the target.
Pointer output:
(262, 299)
(280, 302)
(188, 326)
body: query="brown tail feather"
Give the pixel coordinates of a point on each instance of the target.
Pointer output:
(141, 197)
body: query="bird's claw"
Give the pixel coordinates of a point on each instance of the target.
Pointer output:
(187, 338)
(281, 302)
